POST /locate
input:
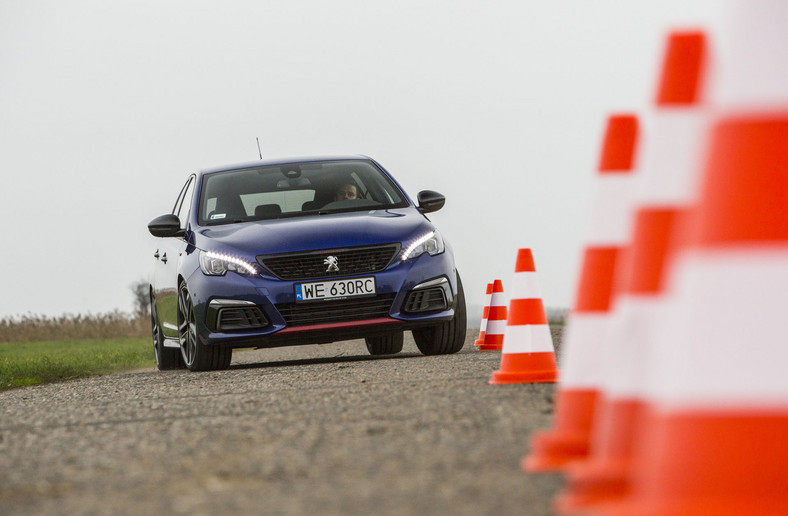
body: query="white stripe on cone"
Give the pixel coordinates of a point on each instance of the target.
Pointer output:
(673, 155)
(728, 344)
(585, 335)
(754, 77)
(496, 327)
(528, 338)
(487, 301)
(611, 219)
(525, 285)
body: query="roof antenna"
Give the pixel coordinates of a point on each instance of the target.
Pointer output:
(258, 147)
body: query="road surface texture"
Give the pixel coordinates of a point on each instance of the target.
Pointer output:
(315, 430)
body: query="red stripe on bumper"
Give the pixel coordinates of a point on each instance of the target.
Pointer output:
(331, 326)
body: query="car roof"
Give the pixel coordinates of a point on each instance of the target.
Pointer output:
(281, 161)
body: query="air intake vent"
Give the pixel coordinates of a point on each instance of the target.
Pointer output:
(427, 300)
(317, 264)
(245, 318)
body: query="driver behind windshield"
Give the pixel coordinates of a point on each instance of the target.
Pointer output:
(346, 192)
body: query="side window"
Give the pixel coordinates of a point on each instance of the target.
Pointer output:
(184, 202)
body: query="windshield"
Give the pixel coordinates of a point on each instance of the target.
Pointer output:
(295, 189)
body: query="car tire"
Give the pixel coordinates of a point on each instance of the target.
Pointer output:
(447, 337)
(196, 356)
(166, 358)
(385, 344)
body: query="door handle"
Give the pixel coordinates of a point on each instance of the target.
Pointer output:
(156, 254)
(164, 258)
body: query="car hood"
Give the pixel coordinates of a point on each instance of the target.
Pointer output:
(310, 233)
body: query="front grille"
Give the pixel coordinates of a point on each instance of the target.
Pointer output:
(427, 300)
(322, 312)
(349, 261)
(245, 318)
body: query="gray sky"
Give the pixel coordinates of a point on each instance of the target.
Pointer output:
(106, 107)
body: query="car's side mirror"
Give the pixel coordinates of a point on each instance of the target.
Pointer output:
(166, 226)
(430, 201)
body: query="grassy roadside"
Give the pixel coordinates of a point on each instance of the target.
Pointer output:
(33, 363)
(37, 328)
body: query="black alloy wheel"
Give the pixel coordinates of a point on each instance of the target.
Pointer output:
(447, 337)
(166, 358)
(195, 356)
(187, 327)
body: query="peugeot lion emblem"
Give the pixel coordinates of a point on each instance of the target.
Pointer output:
(333, 264)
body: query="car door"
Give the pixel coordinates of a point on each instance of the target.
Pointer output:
(166, 271)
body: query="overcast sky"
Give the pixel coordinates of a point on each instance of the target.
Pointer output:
(106, 107)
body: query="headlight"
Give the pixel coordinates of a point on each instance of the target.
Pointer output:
(217, 264)
(431, 243)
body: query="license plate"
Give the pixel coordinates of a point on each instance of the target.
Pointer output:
(336, 289)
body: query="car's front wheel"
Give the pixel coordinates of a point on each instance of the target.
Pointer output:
(447, 337)
(385, 344)
(195, 356)
(166, 358)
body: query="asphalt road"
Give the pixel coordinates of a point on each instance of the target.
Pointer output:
(303, 430)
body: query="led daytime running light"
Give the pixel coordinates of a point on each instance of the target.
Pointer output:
(416, 244)
(231, 259)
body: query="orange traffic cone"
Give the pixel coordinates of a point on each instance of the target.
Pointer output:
(719, 407)
(582, 361)
(667, 187)
(714, 437)
(485, 314)
(496, 320)
(528, 355)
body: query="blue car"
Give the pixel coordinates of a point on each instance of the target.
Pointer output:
(290, 252)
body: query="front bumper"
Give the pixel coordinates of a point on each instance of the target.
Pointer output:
(239, 311)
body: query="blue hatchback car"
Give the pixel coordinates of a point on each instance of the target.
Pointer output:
(289, 252)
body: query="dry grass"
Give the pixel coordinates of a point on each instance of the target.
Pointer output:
(30, 328)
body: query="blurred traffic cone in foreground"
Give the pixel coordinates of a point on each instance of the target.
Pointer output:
(496, 320)
(528, 355)
(718, 392)
(485, 314)
(667, 186)
(719, 413)
(582, 350)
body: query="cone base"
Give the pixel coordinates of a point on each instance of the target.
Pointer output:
(600, 484)
(490, 347)
(526, 368)
(551, 452)
(705, 464)
(698, 508)
(499, 378)
(605, 475)
(569, 440)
